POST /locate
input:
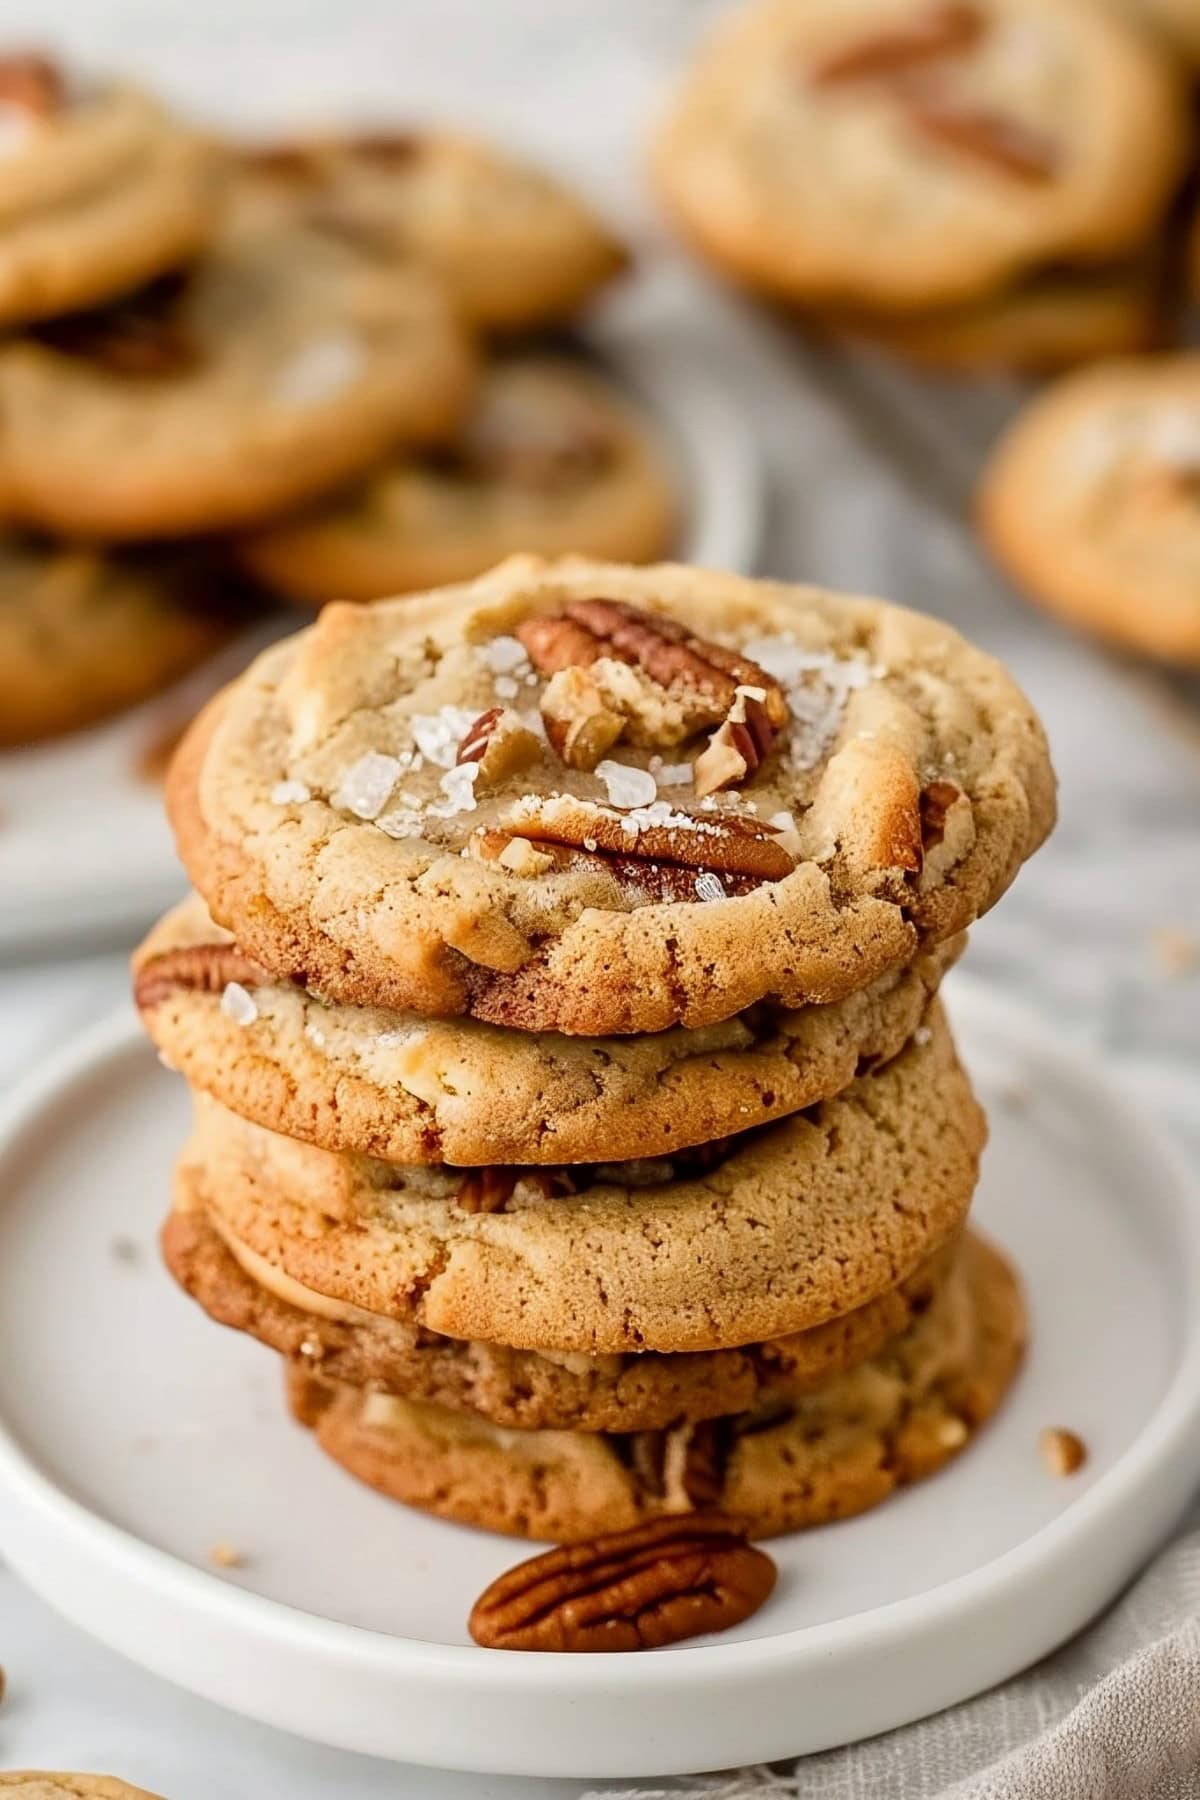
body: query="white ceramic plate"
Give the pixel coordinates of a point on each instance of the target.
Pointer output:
(85, 851)
(135, 1436)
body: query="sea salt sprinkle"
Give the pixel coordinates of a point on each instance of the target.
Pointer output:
(290, 793)
(458, 785)
(708, 887)
(504, 656)
(366, 787)
(438, 735)
(238, 1005)
(817, 684)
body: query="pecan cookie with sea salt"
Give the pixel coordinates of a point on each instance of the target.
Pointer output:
(911, 154)
(762, 1235)
(785, 1466)
(525, 1389)
(551, 459)
(597, 800)
(514, 249)
(410, 1089)
(1090, 503)
(100, 189)
(281, 365)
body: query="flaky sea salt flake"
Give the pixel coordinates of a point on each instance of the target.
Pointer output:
(238, 1005)
(367, 784)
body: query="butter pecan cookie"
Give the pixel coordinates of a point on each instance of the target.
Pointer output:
(281, 365)
(597, 800)
(821, 1456)
(767, 1234)
(46, 1784)
(100, 190)
(409, 1089)
(918, 153)
(1089, 502)
(524, 1388)
(552, 459)
(84, 634)
(514, 249)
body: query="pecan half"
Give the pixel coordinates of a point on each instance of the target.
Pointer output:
(945, 30)
(725, 843)
(740, 745)
(655, 1584)
(1004, 143)
(32, 83)
(579, 725)
(640, 883)
(195, 969)
(671, 655)
(501, 743)
(490, 1188)
(141, 337)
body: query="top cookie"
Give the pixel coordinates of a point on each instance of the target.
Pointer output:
(539, 799)
(1090, 502)
(513, 248)
(283, 364)
(913, 153)
(99, 190)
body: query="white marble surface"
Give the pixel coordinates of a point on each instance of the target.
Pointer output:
(871, 474)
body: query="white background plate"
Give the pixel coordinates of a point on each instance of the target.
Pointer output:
(135, 1435)
(72, 871)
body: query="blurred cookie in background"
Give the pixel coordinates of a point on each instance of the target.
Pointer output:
(281, 365)
(1091, 499)
(1045, 322)
(891, 161)
(552, 459)
(100, 189)
(514, 248)
(84, 635)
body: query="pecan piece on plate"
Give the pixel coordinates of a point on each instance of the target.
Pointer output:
(942, 30)
(725, 843)
(1002, 142)
(671, 1578)
(740, 745)
(32, 84)
(501, 743)
(195, 969)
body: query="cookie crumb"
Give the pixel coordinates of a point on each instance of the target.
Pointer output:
(1175, 951)
(1063, 1451)
(313, 1348)
(952, 1433)
(226, 1556)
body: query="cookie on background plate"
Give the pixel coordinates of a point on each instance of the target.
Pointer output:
(46, 1784)
(1089, 503)
(766, 1234)
(1046, 322)
(84, 634)
(100, 189)
(411, 1089)
(822, 1456)
(523, 1388)
(283, 364)
(585, 798)
(898, 155)
(515, 250)
(552, 459)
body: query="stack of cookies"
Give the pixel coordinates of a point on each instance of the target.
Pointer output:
(970, 183)
(273, 362)
(574, 1109)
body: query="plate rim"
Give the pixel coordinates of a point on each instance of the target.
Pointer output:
(1168, 1443)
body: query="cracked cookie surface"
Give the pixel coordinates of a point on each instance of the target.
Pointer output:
(774, 1233)
(552, 458)
(596, 800)
(1089, 502)
(409, 1089)
(826, 1455)
(917, 153)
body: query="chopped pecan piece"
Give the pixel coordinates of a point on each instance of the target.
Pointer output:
(195, 969)
(669, 1579)
(935, 802)
(581, 728)
(501, 743)
(740, 745)
(1004, 143)
(32, 83)
(944, 30)
(725, 843)
(388, 149)
(1063, 1452)
(487, 1190)
(141, 337)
